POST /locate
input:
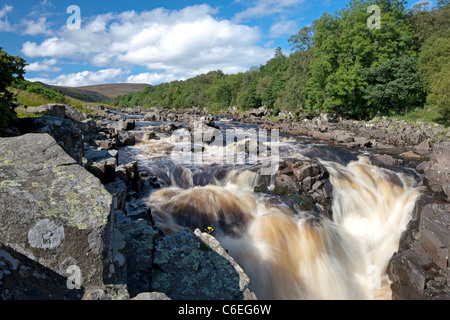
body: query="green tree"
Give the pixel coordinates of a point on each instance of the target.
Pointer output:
(345, 50)
(219, 92)
(426, 22)
(295, 77)
(11, 68)
(302, 40)
(434, 55)
(440, 93)
(272, 80)
(393, 87)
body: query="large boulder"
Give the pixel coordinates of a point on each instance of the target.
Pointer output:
(59, 238)
(64, 131)
(194, 266)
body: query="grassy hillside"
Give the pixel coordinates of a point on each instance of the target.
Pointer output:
(98, 93)
(31, 94)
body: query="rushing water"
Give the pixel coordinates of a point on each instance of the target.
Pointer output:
(287, 253)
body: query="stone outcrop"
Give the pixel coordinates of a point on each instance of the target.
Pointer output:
(57, 224)
(437, 170)
(420, 268)
(194, 266)
(64, 131)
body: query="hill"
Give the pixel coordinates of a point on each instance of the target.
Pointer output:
(98, 93)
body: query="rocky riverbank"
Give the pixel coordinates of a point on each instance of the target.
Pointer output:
(52, 166)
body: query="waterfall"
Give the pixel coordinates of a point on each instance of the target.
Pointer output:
(286, 253)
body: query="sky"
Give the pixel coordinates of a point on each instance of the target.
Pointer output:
(86, 42)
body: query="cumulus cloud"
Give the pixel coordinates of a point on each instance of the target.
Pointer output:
(84, 78)
(47, 65)
(41, 26)
(169, 44)
(4, 24)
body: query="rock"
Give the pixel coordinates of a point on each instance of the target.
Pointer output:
(139, 238)
(408, 278)
(150, 136)
(168, 128)
(126, 139)
(108, 144)
(105, 170)
(330, 117)
(126, 125)
(56, 223)
(410, 155)
(344, 138)
(385, 160)
(51, 109)
(419, 270)
(284, 184)
(423, 147)
(303, 169)
(152, 116)
(130, 175)
(327, 136)
(74, 114)
(437, 174)
(118, 190)
(423, 166)
(151, 296)
(187, 268)
(435, 233)
(64, 131)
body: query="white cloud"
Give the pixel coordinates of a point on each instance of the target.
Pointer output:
(282, 28)
(52, 47)
(47, 65)
(84, 78)
(152, 78)
(33, 28)
(262, 8)
(179, 43)
(4, 24)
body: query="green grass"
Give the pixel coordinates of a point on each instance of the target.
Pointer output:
(428, 114)
(29, 99)
(23, 114)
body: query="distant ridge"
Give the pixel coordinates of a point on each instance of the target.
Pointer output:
(98, 93)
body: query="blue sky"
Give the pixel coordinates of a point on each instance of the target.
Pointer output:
(150, 41)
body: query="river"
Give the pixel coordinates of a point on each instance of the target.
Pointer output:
(221, 180)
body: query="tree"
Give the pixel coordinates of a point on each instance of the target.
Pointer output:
(345, 49)
(295, 77)
(11, 68)
(272, 81)
(434, 55)
(302, 40)
(440, 93)
(426, 22)
(393, 87)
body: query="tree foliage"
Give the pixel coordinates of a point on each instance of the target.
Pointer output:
(11, 68)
